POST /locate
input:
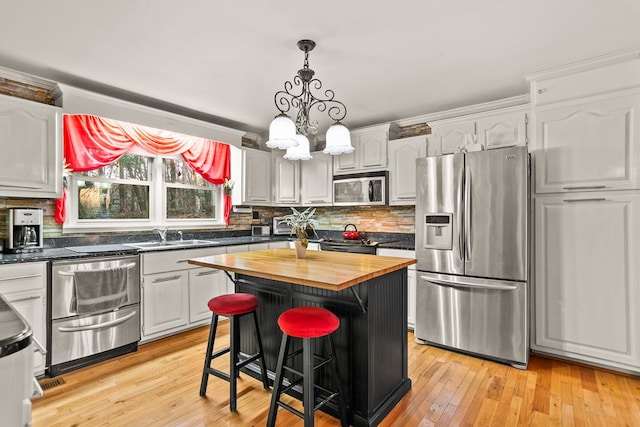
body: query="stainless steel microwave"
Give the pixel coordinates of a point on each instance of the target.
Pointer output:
(361, 189)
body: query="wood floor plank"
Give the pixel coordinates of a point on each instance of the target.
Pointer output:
(158, 386)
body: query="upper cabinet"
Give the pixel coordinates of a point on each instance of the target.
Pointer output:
(585, 125)
(31, 140)
(286, 179)
(402, 168)
(370, 150)
(493, 129)
(588, 145)
(316, 180)
(256, 177)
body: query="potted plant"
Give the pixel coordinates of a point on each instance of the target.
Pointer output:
(300, 223)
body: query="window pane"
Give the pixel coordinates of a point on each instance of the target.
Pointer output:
(99, 200)
(190, 203)
(177, 171)
(129, 166)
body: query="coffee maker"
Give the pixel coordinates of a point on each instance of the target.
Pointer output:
(24, 232)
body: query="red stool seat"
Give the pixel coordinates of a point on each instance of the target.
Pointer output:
(233, 304)
(308, 322)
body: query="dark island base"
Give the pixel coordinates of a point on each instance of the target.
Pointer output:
(371, 342)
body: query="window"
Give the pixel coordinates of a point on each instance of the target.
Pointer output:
(142, 191)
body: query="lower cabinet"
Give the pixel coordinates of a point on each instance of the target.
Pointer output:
(24, 286)
(175, 293)
(411, 281)
(587, 277)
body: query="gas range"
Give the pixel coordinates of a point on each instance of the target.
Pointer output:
(361, 246)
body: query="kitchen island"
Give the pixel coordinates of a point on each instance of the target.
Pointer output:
(368, 293)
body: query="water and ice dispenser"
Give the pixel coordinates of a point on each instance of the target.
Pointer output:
(438, 231)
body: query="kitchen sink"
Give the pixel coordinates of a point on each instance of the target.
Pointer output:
(172, 244)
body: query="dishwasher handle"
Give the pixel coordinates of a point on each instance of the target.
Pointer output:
(97, 326)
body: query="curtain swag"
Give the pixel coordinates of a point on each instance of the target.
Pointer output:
(91, 142)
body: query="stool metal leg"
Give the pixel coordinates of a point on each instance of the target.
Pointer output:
(308, 401)
(234, 372)
(342, 410)
(207, 359)
(277, 384)
(263, 363)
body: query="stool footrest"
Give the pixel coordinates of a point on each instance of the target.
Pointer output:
(219, 374)
(290, 408)
(243, 363)
(220, 352)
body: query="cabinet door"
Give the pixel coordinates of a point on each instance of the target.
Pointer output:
(587, 294)
(453, 137)
(402, 168)
(502, 131)
(256, 170)
(165, 301)
(346, 163)
(204, 284)
(411, 297)
(286, 174)
(316, 180)
(31, 306)
(31, 141)
(588, 146)
(373, 150)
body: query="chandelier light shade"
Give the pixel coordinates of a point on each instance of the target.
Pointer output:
(282, 133)
(304, 94)
(300, 151)
(338, 140)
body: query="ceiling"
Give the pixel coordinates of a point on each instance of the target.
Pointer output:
(223, 61)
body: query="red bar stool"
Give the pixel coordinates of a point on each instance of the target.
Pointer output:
(307, 323)
(232, 306)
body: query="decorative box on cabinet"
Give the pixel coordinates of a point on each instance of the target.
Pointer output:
(587, 293)
(370, 150)
(590, 144)
(175, 293)
(24, 286)
(31, 141)
(286, 180)
(316, 180)
(256, 177)
(402, 168)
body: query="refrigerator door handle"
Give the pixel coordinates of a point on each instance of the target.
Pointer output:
(465, 284)
(461, 246)
(467, 215)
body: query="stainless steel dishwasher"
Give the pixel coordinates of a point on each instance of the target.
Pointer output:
(94, 311)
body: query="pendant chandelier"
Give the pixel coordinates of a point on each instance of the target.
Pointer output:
(285, 134)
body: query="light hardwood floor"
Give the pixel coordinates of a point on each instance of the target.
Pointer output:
(158, 386)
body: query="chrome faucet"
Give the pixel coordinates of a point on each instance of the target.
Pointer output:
(162, 233)
(180, 234)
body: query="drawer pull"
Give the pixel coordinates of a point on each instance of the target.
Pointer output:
(97, 326)
(587, 187)
(165, 279)
(182, 261)
(207, 273)
(28, 276)
(541, 91)
(24, 299)
(595, 199)
(38, 347)
(37, 390)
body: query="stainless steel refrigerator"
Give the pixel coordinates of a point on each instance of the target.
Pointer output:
(472, 226)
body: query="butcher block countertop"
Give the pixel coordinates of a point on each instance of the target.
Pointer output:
(320, 269)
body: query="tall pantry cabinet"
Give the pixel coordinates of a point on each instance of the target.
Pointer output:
(586, 154)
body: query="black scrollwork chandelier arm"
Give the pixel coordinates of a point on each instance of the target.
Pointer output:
(304, 100)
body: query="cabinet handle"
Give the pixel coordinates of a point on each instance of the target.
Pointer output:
(207, 273)
(37, 390)
(595, 199)
(24, 299)
(541, 91)
(182, 261)
(166, 279)
(586, 187)
(106, 324)
(318, 201)
(258, 200)
(28, 276)
(38, 347)
(406, 197)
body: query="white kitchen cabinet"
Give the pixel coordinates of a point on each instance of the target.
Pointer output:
(411, 281)
(504, 127)
(31, 141)
(316, 180)
(587, 292)
(175, 293)
(24, 286)
(589, 144)
(286, 180)
(402, 168)
(256, 174)
(280, 244)
(370, 150)
(502, 130)
(311, 246)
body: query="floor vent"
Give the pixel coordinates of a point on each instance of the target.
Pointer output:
(51, 383)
